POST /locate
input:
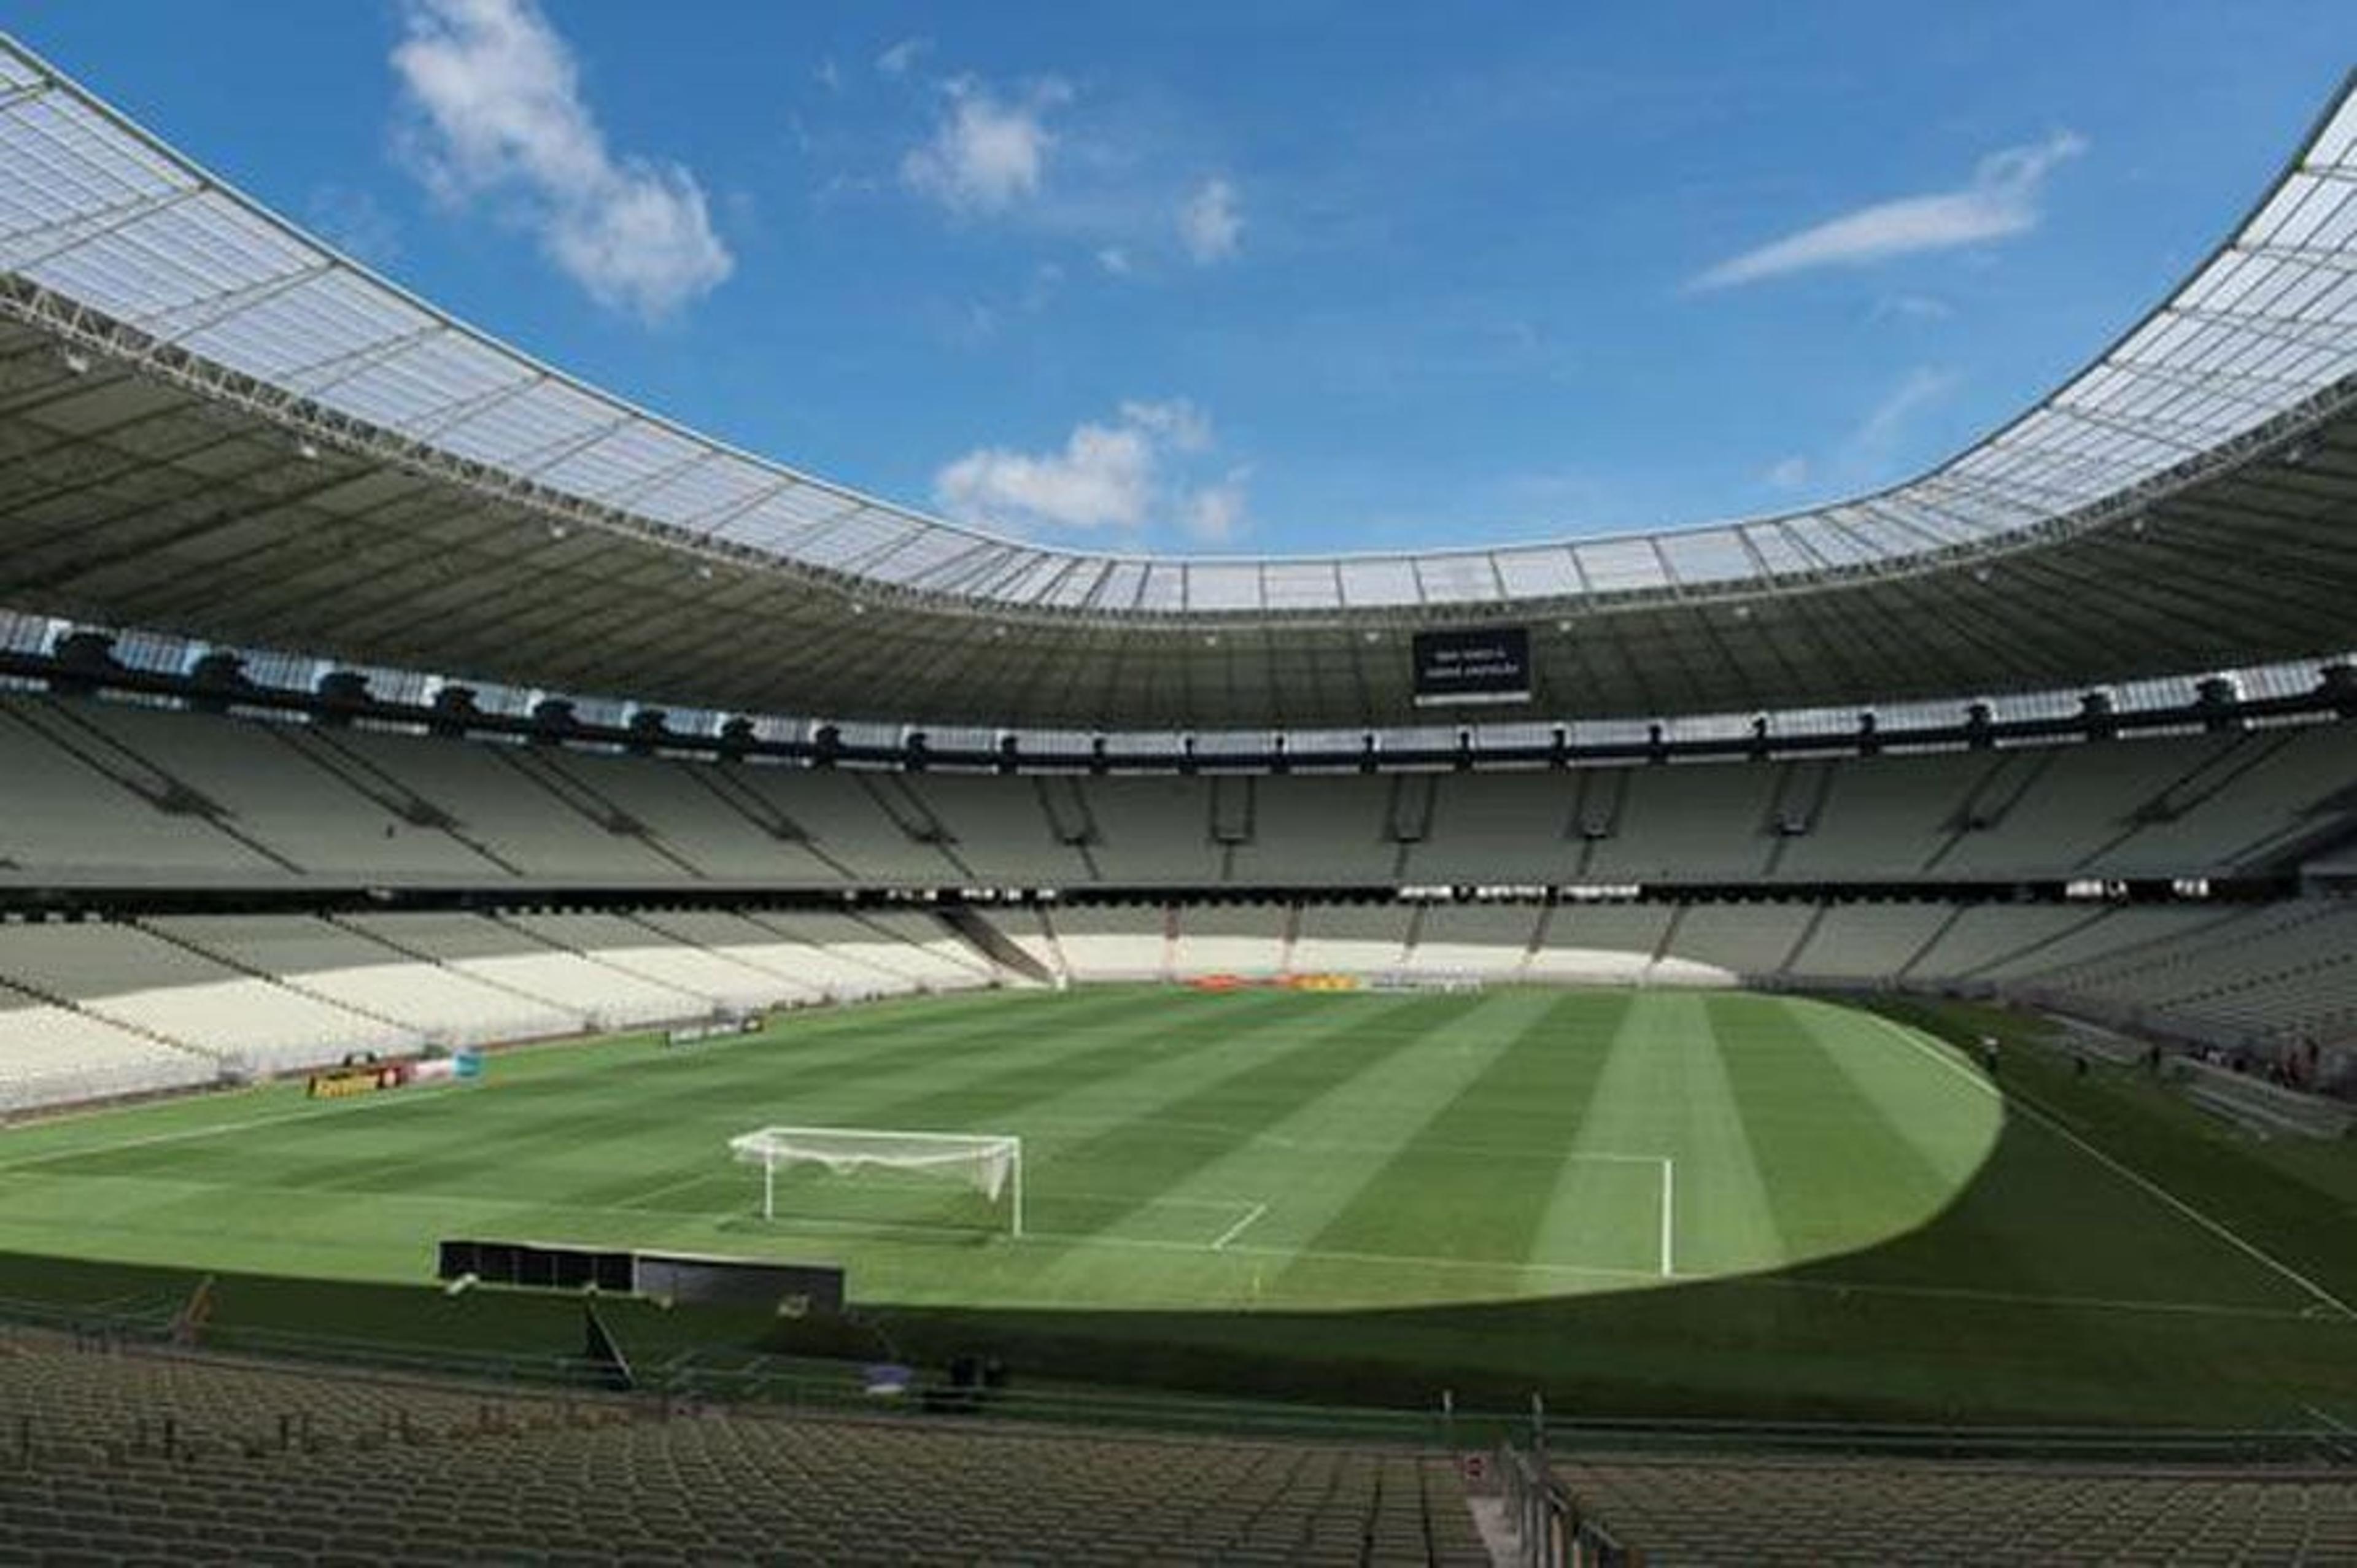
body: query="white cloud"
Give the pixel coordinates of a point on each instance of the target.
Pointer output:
(1178, 421)
(1215, 513)
(1210, 222)
(497, 97)
(987, 152)
(1103, 476)
(827, 74)
(902, 57)
(1126, 473)
(2000, 201)
(1788, 474)
(1114, 259)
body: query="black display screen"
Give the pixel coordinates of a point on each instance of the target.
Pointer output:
(1488, 664)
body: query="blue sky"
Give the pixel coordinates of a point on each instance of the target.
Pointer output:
(1270, 277)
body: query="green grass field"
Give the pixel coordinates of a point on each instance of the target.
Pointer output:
(1638, 1200)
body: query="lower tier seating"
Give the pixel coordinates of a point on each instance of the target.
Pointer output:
(139, 1457)
(1880, 1512)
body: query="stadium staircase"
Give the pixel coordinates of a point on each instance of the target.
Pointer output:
(723, 782)
(1930, 944)
(1407, 816)
(1992, 798)
(283, 982)
(971, 927)
(1069, 822)
(544, 767)
(1232, 806)
(59, 725)
(1597, 811)
(318, 747)
(2201, 783)
(23, 987)
(907, 811)
(693, 1002)
(418, 955)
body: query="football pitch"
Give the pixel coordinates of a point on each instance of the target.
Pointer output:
(1472, 1184)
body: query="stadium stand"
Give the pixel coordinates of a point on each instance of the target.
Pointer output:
(1692, 823)
(1103, 942)
(1353, 939)
(1490, 941)
(339, 964)
(1603, 944)
(144, 1454)
(1868, 942)
(52, 1055)
(1982, 936)
(1004, 829)
(116, 792)
(1891, 778)
(1857, 1511)
(146, 981)
(1749, 940)
(635, 948)
(1228, 938)
(505, 956)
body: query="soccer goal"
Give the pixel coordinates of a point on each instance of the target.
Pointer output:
(989, 1164)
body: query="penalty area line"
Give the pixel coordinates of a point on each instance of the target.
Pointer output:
(2052, 1123)
(1239, 1228)
(1669, 1216)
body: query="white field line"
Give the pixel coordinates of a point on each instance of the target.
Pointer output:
(2142, 1183)
(789, 1225)
(682, 1185)
(1669, 1211)
(1648, 1276)
(1328, 1146)
(407, 1096)
(1239, 1228)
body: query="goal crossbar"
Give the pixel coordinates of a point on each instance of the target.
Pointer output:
(990, 1163)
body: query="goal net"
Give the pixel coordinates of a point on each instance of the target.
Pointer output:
(987, 1164)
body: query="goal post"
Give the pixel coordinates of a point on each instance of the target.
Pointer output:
(989, 1163)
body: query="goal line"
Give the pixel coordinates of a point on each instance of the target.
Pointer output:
(989, 1163)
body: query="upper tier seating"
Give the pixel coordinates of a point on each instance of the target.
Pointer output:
(117, 793)
(1000, 830)
(277, 787)
(79, 810)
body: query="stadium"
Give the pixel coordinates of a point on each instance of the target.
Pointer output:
(569, 991)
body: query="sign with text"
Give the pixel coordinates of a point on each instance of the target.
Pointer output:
(1490, 665)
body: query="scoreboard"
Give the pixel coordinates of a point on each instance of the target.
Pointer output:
(1481, 664)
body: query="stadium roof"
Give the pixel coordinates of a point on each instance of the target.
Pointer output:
(212, 425)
